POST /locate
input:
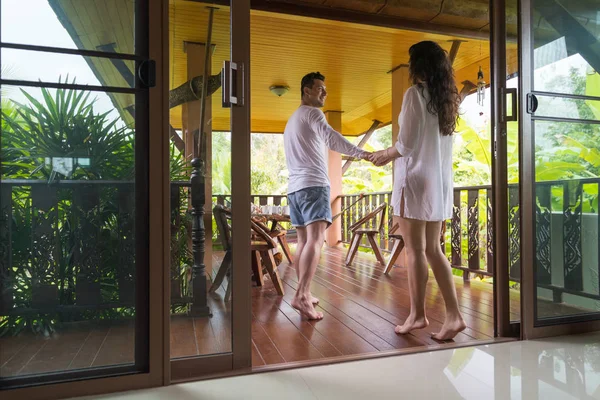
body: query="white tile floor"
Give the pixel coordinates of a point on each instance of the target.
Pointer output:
(559, 368)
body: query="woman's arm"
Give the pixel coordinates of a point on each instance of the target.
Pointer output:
(410, 121)
(383, 157)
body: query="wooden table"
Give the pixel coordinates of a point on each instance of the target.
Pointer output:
(275, 219)
(279, 234)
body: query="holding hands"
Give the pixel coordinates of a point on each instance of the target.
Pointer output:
(381, 157)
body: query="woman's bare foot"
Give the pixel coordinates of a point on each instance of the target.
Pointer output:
(410, 324)
(306, 308)
(450, 329)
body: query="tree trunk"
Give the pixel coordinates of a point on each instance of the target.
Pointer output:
(192, 90)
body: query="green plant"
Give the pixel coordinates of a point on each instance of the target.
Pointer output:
(63, 235)
(62, 137)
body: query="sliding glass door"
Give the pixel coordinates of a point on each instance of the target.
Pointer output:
(76, 246)
(560, 99)
(210, 213)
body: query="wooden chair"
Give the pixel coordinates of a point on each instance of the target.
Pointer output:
(279, 234)
(396, 249)
(262, 255)
(399, 246)
(222, 217)
(358, 233)
(261, 248)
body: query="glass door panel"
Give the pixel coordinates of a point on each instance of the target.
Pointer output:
(562, 135)
(74, 266)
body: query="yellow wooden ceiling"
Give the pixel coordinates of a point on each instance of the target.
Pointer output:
(354, 58)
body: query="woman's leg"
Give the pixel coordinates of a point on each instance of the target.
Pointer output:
(413, 233)
(442, 271)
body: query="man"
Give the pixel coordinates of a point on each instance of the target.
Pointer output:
(306, 138)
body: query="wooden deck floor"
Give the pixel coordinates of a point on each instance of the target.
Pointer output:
(361, 307)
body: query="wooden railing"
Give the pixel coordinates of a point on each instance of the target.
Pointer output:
(70, 245)
(468, 235)
(257, 199)
(66, 246)
(566, 237)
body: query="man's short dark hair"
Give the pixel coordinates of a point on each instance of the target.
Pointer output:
(309, 80)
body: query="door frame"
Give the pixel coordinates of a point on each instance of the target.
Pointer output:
(240, 358)
(156, 145)
(527, 196)
(503, 325)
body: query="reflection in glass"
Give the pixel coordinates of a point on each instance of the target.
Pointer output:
(567, 158)
(67, 234)
(193, 333)
(566, 45)
(106, 25)
(68, 68)
(567, 179)
(567, 368)
(561, 107)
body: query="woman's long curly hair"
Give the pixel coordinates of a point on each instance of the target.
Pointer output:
(430, 67)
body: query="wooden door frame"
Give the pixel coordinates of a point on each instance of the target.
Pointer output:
(240, 358)
(527, 196)
(158, 249)
(241, 325)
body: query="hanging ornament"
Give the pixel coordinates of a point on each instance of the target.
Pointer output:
(480, 88)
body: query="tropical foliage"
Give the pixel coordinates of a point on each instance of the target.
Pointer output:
(66, 237)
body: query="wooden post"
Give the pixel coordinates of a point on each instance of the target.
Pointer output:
(201, 179)
(333, 235)
(191, 124)
(200, 303)
(361, 144)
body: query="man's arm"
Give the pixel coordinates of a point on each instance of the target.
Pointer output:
(332, 138)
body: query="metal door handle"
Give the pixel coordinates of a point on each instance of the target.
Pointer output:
(532, 103)
(233, 87)
(513, 105)
(147, 73)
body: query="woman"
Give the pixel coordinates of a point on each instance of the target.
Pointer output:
(422, 195)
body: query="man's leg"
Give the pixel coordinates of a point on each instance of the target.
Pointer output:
(301, 234)
(307, 266)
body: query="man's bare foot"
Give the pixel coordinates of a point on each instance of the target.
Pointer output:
(450, 329)
(306, 308)
(313, 299)
(410, 324)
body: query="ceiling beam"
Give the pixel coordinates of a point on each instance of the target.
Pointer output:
(361, 144)
(176, 139)
(454, 49)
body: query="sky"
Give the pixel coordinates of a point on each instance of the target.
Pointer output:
(34, 22)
